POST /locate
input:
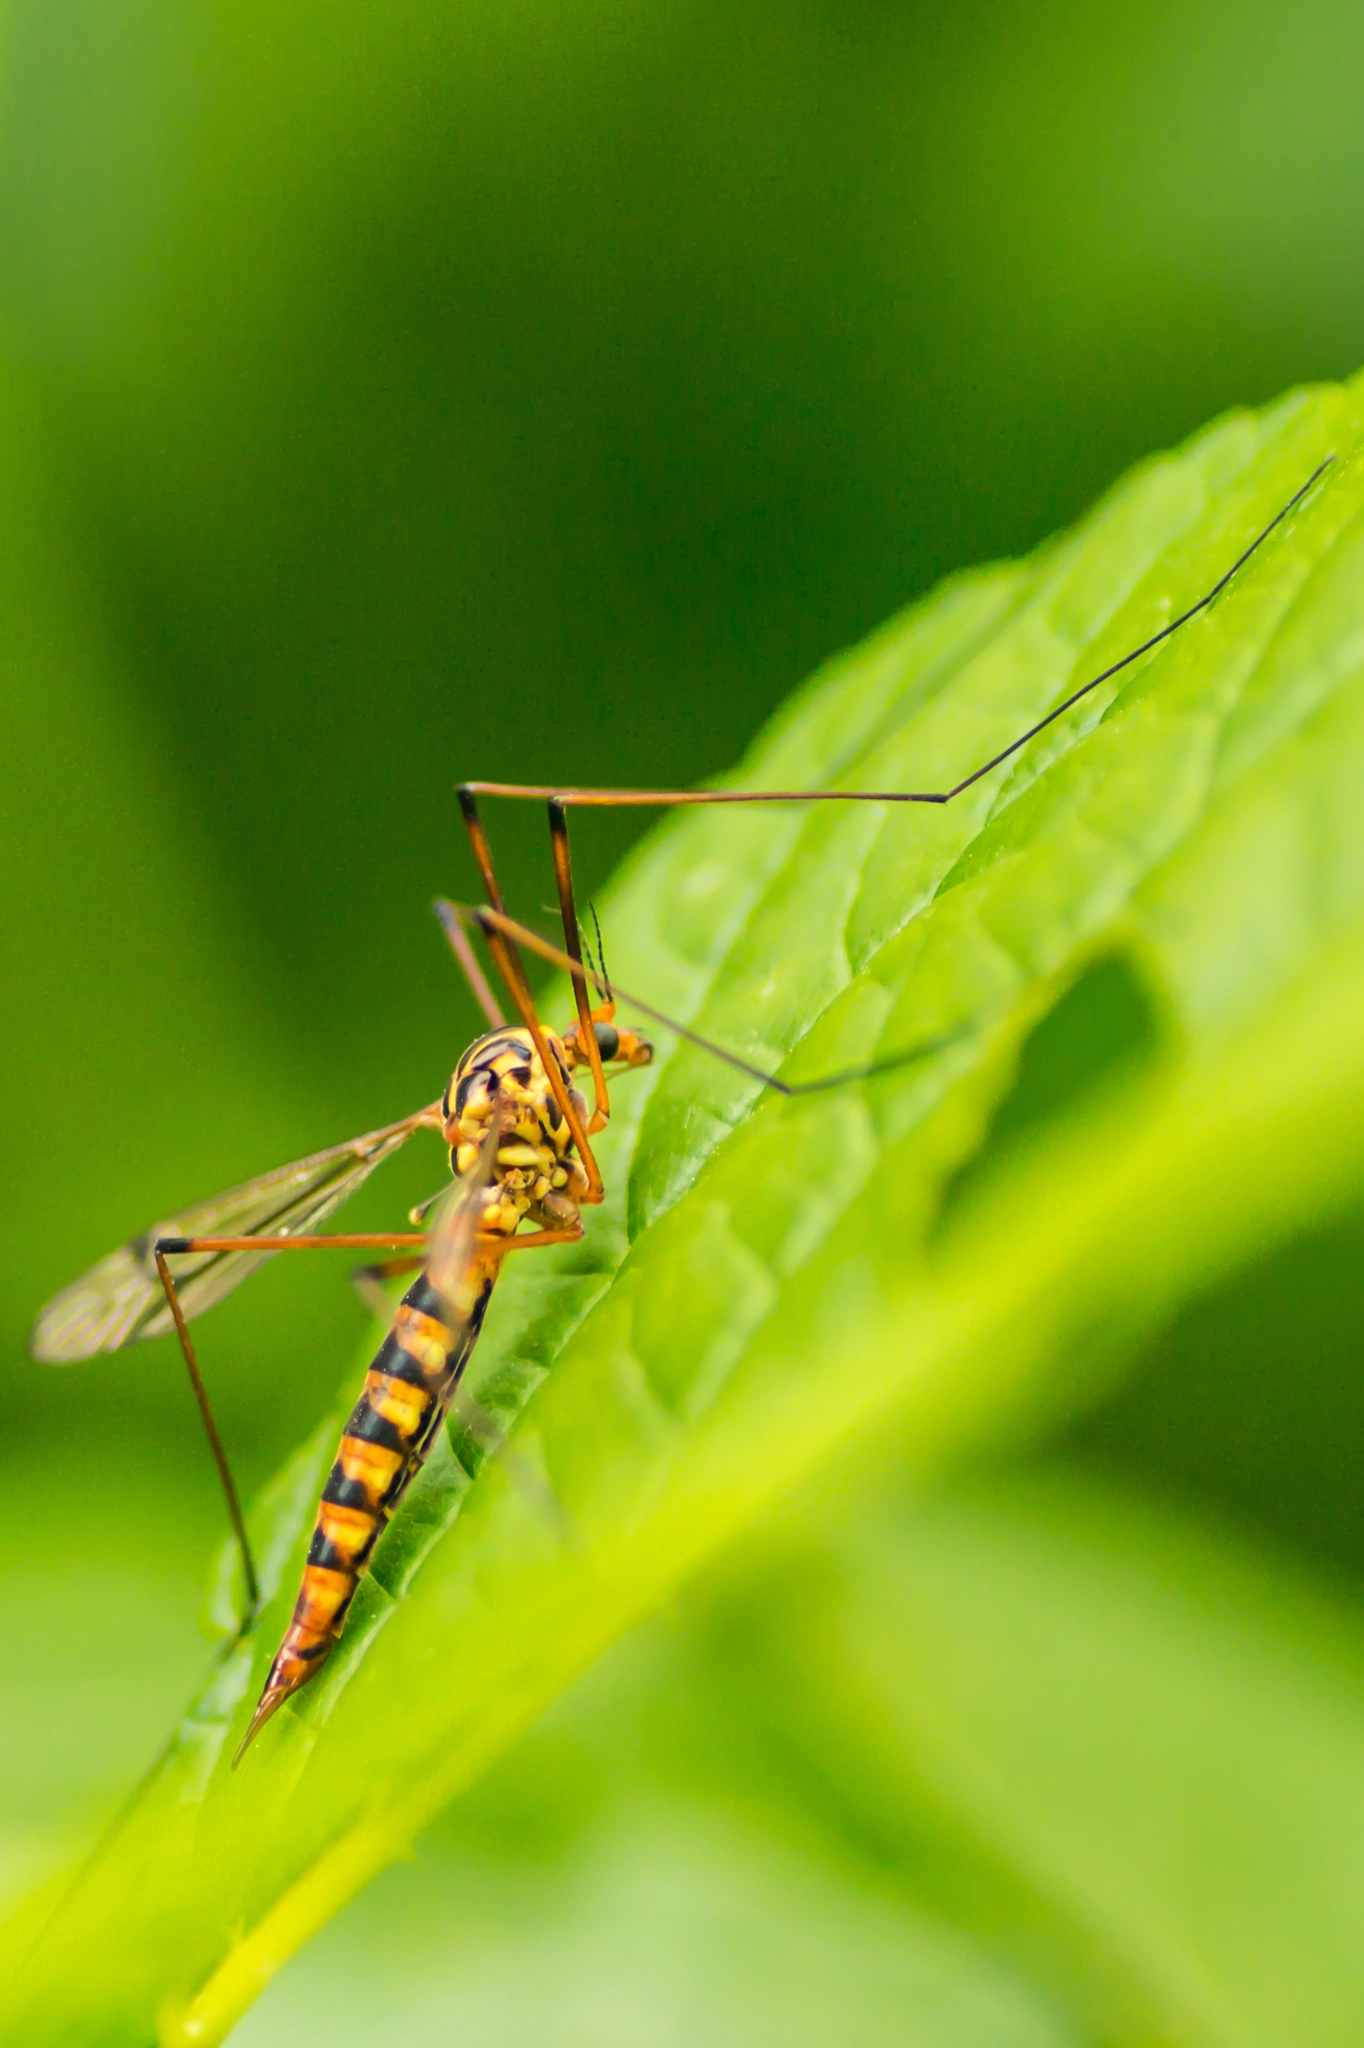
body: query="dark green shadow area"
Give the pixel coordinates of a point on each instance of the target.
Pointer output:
(1252, 1401)
(1103, 1029)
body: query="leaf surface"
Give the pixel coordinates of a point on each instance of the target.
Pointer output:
(1130, 1753)
(1036, 1756)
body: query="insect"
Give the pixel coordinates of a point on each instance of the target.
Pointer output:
(519, 1134)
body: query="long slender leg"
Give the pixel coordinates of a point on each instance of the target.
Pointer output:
(172, 1245)
(477, 980)
(492, 922)
(534, 1239)
(514, 975)
(502, 934)
(349, 1241)
(196, 1380)
(563, 875)
(470, 791)
(478, 838)
(368, 1281)
(568, 912)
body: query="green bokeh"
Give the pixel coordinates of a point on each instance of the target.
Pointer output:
(388, 395)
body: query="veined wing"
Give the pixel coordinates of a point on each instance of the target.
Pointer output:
(120, 1300)
(462, 1286)
(454, 1228)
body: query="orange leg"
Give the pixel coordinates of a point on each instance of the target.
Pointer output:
(533, 1239)
(568, 912)
(504, 935)
(558, 799)
(477, 980)
(352, 1241)
(493, 924)
(170, 1246)
(368, 1281)
(196, 1380)
(563, 875)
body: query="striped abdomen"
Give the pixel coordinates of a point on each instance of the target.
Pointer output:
(406, 1393)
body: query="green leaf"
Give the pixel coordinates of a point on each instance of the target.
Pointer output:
(1121, 1747)
(644, 1869)
(924, 1771)
(774, 1282)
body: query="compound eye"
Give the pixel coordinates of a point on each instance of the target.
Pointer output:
(608, 1040)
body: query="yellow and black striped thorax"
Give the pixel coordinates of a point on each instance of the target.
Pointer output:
(535, 1157)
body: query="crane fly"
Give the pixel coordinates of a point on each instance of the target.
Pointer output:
(519, 1134)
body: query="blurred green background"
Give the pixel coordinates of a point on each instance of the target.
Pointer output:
(389, 395)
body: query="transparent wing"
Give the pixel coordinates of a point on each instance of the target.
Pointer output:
(120, 1300)
(459, 1282)
(454, 1227)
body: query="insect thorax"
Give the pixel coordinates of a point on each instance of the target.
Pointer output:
(537, 1172)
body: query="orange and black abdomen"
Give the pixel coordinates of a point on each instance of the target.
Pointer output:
(406, 1394)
